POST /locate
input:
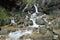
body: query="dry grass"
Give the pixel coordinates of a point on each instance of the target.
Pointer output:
(36, 35)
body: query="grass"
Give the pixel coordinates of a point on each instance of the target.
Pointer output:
(36, 35)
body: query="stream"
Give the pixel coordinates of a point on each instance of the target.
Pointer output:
(19, 33)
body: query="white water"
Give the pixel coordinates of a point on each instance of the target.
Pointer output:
(17, 34)
(12, 21)
(34, 17)
(34, 24)
(25, 7)
(36, 8)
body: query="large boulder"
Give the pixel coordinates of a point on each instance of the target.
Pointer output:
(40, 21)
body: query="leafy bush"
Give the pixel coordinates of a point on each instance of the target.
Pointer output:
(3, 16)
(3, 13)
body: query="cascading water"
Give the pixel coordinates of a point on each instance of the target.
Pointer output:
(25, 7)
(33, 17)
(12, 21)
(17, 34)
(36, 8)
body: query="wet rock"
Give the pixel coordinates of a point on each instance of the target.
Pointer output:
(2, 32)
(31, 22)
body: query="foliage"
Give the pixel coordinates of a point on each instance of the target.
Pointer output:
(59, 25)
(4, 17)
(3, 13)
(30, 1)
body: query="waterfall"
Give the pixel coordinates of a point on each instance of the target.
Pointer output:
(37, 17)
(12, 21)
(34, 17)
(36, 9)
(25, 7)
(34, 24)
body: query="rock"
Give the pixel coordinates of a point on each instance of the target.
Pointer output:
(55, 13)
(2, 32)
(48, 33)
(44, 38)
(42, 30)
(40, 21)
(55, 37)
(30, 22)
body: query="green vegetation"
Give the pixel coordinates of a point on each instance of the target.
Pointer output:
(59, 26)
(30, 1)
(3, 13)
(4, 17)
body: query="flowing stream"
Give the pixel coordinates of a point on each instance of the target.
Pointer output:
(17, 34)
(33, 17)
(36, 8)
